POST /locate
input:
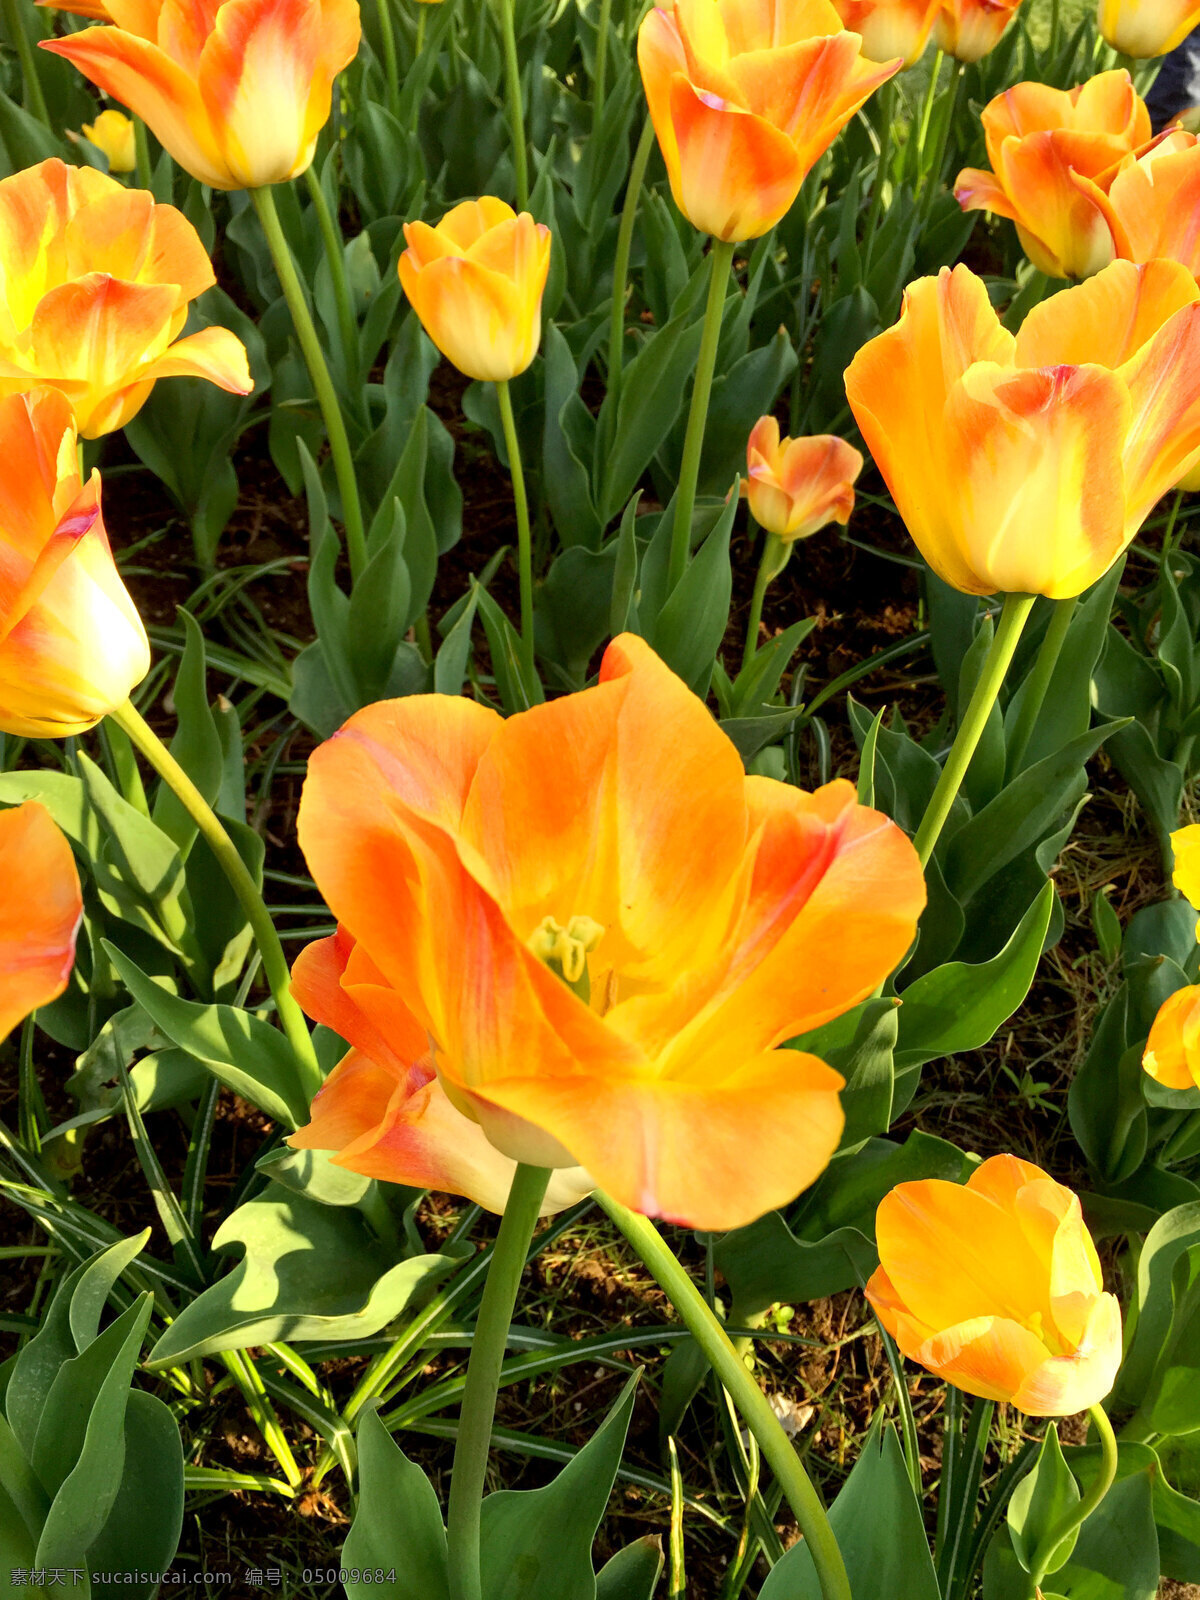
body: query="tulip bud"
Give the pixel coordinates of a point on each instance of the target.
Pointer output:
(1172, 1055)
(476, 283)
(72, 645)
(1185, 842)
(40, 910)
(1144, 28)
(796, 486)
(969, 29)
(113, 134)
(995, 1287)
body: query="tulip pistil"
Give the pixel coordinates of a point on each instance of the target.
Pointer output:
(565, 950)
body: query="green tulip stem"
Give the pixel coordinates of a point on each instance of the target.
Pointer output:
(933, 173)
(141, 153)
(391, 67)
(1169, 532)
(1039, 681)
(1012, 622)
(420, 44)
(483, 1379)
(1082, 1510)
(14, 26)
(516, 108)
(524, 537)
(130, 720)
(775, 553)
(730, 1367)
(335, 256)
(633, 192)
(600, 73)
(318, 370)
(693, 444)
(887, 109)
(926, 113)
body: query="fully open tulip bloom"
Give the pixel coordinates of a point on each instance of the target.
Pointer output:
(1172, 1055)
(72, 645)
(890, 28)
(113, 134)
(40, 912)
(995, 1287)
(745, 95)
(1053, 154)
(968, 30)
(237, 92)
(796, 486)
(476, 282)
(95, 281)
(1026, 465)
(598, 932)
(1144, 28)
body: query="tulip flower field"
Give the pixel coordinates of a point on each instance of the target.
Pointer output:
(599, 812)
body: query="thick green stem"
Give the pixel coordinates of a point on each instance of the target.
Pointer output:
(1079, 1513)
(483, 1379)
(1012, 621)
(693, 444)
(524, 538)
(391, 68)
(1169, 531)
(275, 967)
(318, 371)
(141, 153)
(1039, 681)
(421, 15)
(335, 257)
(633, 192)
(774, 558)
(933, 174)
(35, 100)
(601, 60)
(516, 108)
(777, 1449)
(922, 132)
(887, 108)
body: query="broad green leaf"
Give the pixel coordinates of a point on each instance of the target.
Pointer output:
(141, 1531)
(196, 744)
(633, 1573)
(1171, 1238)
(398, 1523)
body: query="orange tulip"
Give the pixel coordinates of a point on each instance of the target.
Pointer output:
(72, 645)
(745, 95)
(890, 28)
(237, 92)
(969, 29)
(95, 281)
(40, 912)
(995, 1287)
(1172, 1055)
(476, 282)
(597, 932)
(1026, 465)
(1144, 28)
(1053, 154)
(796, 486)
(113, 134)
(1151, 202)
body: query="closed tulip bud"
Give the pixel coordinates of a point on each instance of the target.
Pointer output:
(72, 645)
(95, 281)
(745, 98)
(40, 912)
(476, 282)
(969, 29)
(995, 1287)
(1026, 464)
(1053, 156)
(237, 93)
(1144, 28)
(113, 134)
(796, 486)
(1172, 1055)
(890, 28)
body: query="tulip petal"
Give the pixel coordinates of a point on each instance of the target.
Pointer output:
(1065, 1385)
(976, 190)
(213, 353)
(40, 912)
(992, 1357)
(1172, 1055)
(137, 239)
(334, 995)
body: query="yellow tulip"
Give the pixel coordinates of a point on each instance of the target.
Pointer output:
(112, 132)
(1144, 28)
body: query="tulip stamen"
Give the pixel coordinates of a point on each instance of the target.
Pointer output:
(565, 950)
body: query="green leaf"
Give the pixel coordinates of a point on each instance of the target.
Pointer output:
(1044, 1496)
(139, 871)
(1169, 1241)
(196, 744)
(688, 630)
(652, 391)
(450, 664)
(869, 1072)
(568, 443)
(247, 1055)
(633, 1573)
(536, 1544)
(310, 1271)
(879, 1529)
(960, 1006)
(141, 1531)
(398, 1522)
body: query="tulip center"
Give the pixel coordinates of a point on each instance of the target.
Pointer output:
(565, 950)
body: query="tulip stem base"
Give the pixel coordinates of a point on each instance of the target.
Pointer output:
(1082, 1510)
(721, 256)
(130, 720)
(1012, 623)
(524, 534)
(633, 194)
(774, 558)
(483, 1379)
(730, 1367)
(516, 105)
(1039, 681)
(318, 370)
(335, 257)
